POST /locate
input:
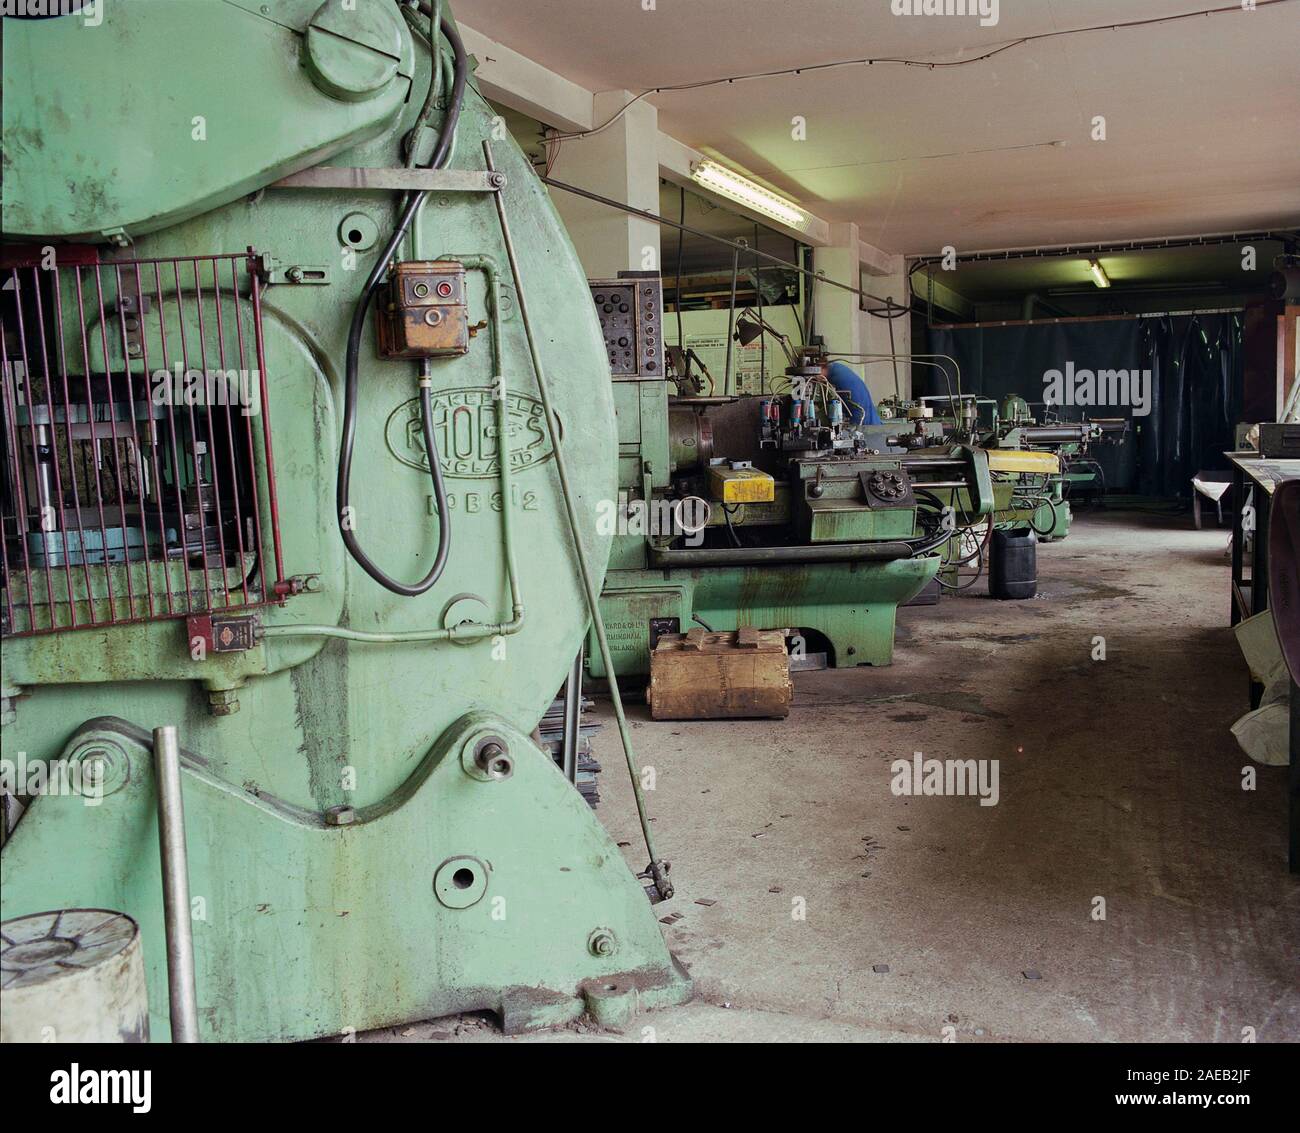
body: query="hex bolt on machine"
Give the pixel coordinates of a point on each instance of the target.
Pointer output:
(304, 409)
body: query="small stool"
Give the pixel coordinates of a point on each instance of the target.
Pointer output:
(1213, 486)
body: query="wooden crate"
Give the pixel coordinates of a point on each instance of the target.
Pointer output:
(712, 676)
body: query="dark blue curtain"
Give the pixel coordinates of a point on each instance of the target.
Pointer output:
(1195, 364)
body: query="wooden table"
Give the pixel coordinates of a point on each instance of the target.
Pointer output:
(1261, 476)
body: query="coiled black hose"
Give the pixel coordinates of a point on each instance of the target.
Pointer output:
(373, 283)
(1037, 502)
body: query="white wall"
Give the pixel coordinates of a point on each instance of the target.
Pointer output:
(621, 163)
(712, 325)
(625, 162)
(874, 335)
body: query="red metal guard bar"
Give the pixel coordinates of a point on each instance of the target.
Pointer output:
(131, 489)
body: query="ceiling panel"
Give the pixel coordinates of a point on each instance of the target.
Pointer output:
(1203, 115)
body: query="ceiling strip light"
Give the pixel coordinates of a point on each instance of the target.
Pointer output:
(730, 184)
(1099, 276)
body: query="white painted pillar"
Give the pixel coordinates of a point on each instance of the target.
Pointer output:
(621, 162)
(889, 281)
(835, 311)
(840, 319)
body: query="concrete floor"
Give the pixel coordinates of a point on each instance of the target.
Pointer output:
(1118, 779)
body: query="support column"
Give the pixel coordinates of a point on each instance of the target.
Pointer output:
(886, 276)
(847, 328)
(835, 311)
(620, 162)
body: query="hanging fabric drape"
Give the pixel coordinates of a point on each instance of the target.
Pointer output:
(1181, 395)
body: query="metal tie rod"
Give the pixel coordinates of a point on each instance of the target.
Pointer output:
(655, 218)
(657, 870)
(410, 180)
(176, 886)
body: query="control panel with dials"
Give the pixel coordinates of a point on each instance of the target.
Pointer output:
(630, 310)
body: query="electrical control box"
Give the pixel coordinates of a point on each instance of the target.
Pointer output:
(736, 482)
(630, 310)
(1279, 441)
(422, 312)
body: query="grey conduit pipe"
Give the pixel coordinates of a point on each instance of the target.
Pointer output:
(727, 383)
(768, 556)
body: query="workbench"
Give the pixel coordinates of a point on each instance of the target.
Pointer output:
(1261, 476)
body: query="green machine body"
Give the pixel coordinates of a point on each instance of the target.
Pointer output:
(195, 195)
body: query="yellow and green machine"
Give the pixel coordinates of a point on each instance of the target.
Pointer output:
(1029, 463)
(776, 512)
(772, 512)
(307, 417)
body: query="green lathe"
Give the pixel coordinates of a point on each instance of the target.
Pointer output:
(769, 512)
(288, 467)
(1033, 462)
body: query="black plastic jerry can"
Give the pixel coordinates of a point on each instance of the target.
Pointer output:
(1013, 564)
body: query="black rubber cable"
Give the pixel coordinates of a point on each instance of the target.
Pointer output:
(981, 544)
(726, 514)
(373, 283)
(1042, 501)
(893, 350)
(979, 571)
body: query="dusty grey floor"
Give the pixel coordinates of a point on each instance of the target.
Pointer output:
(1118, 779)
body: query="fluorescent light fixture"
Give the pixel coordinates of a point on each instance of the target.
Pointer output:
(730, 184)
(1099, 276)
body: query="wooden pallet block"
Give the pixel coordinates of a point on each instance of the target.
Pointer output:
(702, 675)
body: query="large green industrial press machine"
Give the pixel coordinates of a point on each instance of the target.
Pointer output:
(307, 421)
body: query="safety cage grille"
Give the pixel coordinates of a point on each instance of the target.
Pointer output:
(138, 471)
